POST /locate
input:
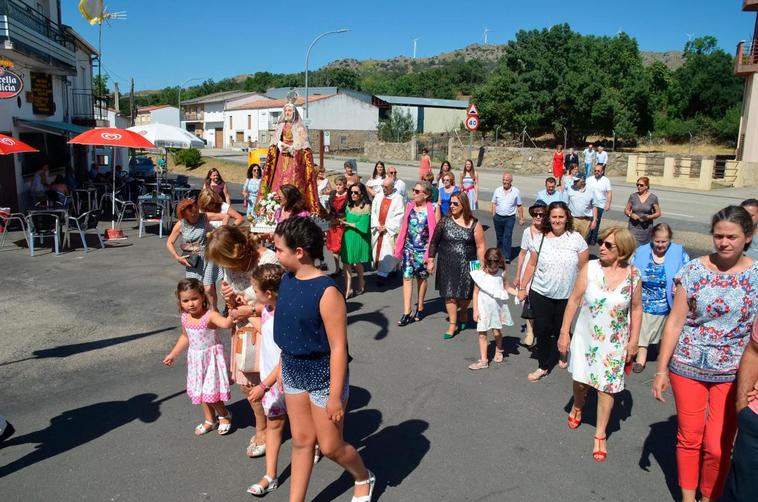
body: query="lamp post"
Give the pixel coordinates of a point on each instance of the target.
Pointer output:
(180, 96)
(307, 60)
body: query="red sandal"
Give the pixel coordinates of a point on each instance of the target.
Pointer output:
(598, 455)
(574, 422)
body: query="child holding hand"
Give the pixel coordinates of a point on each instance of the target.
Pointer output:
(491, 305)
(207, 374)
(266, 280)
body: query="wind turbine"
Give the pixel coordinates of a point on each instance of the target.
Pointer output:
(414, 40)
(486, 30)
(689, 36)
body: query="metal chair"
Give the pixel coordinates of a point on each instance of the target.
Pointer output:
(43, 225)
(151, 212)
(121, 206)
(84, 222)
(6, 218)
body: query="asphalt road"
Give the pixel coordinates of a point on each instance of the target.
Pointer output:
(98, 417)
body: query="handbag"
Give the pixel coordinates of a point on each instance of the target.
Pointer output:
(527, 312)
(245, 354)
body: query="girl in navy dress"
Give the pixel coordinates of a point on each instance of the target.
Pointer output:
(310, 327)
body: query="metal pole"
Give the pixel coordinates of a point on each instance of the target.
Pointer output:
(308, 58)
(565, 137)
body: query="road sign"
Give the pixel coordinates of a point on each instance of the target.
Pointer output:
(472, 110)
(472, 122)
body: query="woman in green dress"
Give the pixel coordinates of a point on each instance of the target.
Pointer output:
(356, 241)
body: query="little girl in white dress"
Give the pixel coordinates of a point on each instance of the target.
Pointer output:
(490, 305)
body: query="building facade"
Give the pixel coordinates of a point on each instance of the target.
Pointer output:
(157, 114)
(746, 65)
(52, 66)
(430, 115)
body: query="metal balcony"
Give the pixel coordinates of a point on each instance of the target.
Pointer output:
(24, 30)
(193, 116)
(746, 61)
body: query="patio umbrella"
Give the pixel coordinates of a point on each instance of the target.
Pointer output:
(168, 136)
(10, 145)
(113, 137)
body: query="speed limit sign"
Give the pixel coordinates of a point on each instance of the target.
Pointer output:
(472, 122)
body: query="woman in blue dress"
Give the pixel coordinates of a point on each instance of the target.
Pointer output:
(250, 187)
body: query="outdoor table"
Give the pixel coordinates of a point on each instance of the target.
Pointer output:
(62, 213)
(90, 193)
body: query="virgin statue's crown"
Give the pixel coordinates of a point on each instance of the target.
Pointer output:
(292, 96)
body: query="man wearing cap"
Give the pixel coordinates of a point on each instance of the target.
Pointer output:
(506, 202)
(550, 193)
(582, 207)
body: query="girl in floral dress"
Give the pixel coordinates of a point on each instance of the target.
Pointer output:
(207, 375)
(607, 331)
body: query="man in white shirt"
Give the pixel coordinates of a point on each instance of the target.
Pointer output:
(602, 158)
(550, 193)
(589, 160)
(600, 186)
(581, 206)
(506, 202)
(387, 210)
(399, 184)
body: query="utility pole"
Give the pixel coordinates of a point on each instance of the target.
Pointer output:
(132, 114)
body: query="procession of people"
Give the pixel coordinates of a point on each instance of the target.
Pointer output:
(596, 314)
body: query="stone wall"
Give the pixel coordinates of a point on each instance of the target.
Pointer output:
(380, 150)
(524, 160)
(343, 140)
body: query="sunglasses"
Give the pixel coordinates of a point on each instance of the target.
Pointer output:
(607, 245)
(538, 215)
(353, 192)
(416, 190)
(492, 260)
(455, 204)
(641, 185)
(392, 172)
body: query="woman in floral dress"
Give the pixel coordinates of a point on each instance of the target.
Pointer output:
(607, 331)
(412, 249)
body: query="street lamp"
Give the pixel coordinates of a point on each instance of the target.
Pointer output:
(307, 59)
(180, 96)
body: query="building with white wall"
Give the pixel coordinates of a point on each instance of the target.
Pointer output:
(157, 114)
(430, 115)
(204, 116)
(52, 66)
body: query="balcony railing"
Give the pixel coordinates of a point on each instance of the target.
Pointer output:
(32, 19)
(193, 116)
(746, 61)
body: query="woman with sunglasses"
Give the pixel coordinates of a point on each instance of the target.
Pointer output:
(412, 249)
(556, 258)
(537, 212)
(715, 303)
(658, 262)
(356, 241)
(606, 332)
(250, 188)
(447, 190)
(457, 241)
(642, 209)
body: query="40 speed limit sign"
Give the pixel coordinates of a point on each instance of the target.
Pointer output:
(472, 122)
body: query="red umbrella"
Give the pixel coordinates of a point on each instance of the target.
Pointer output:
(113, 137)
(12, 145)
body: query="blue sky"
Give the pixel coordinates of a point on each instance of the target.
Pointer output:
(165, 42)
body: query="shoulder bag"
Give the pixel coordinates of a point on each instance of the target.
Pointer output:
(527, 312)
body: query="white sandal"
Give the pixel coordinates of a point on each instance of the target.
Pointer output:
(224, 429)
(317, 455)
(201, 429)
(371, 481)
(260, 491)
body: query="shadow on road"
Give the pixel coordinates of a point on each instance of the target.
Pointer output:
(404, 443)
(374, 317)
(661, 445)
(74, 428)
(78, 348)
(622, 409)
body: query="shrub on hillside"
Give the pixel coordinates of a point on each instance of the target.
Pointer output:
(190, 157)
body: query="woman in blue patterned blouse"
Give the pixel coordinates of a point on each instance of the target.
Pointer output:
(658, 262)
(704, 337)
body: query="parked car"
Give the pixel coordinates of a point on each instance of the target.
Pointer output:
(141, 167)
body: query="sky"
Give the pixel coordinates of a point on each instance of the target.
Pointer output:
(167, 42)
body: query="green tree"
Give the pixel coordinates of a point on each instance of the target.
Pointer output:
(100, 86)
(398, 128)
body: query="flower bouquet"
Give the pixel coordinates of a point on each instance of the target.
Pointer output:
(263, 219)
